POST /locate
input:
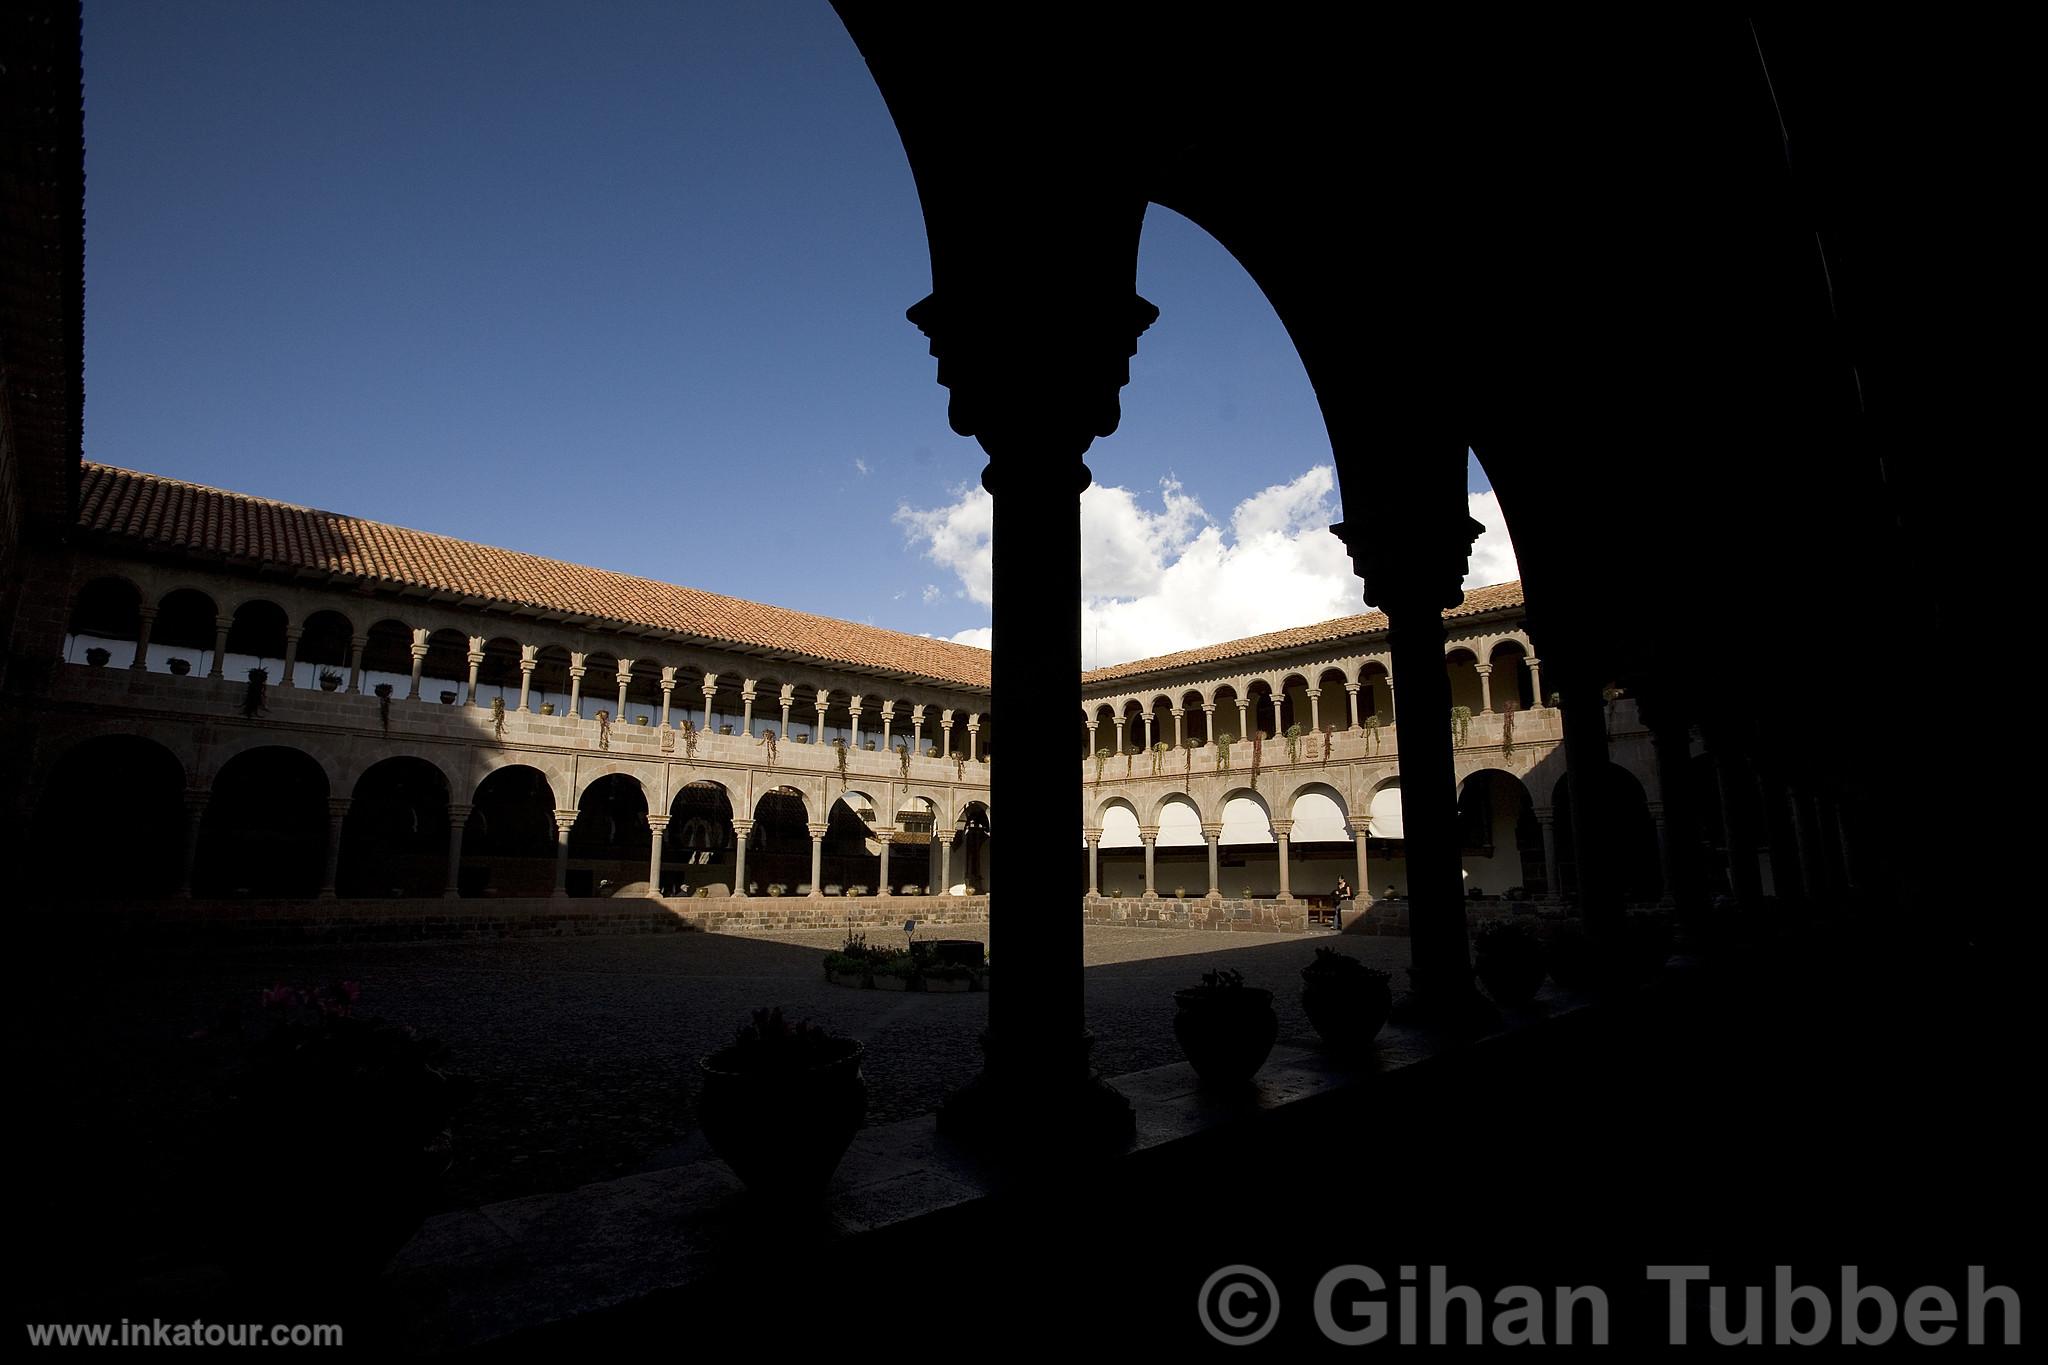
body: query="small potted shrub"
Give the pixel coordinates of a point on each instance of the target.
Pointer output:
(97, 657)
(1225, 1027)
(329, 680)
(1346, 1000)
(857, 889)
(547, 708)
(782, 1103)
(895, 973)
(447, 698)
(946, 976)
(1509, 961)
(853, 964)
(179, 667)
(776, 888)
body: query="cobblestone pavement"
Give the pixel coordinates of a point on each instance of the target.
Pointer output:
(583, 1050)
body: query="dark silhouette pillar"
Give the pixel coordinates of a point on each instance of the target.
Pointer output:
(1584, 710)
(1736, 831)
(1671, 745)
(1410, 539)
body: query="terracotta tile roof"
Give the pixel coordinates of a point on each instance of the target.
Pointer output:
(1498, 597)
(211, 523)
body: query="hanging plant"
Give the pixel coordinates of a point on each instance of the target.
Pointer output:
(903, 761)
(840, 746)
(1223, 743)
(689, 741)
(768, 742)
(959, 767)
(1329, 738)
(1159, 756)
(253, 695)
(498, 718)
(384, 706)
(1187, 766)
(1258, 755)
(1507, 728)
(1294, 742)
(1129, 759)
(604, 729)
(1101, 761)
(1371, 727)
(1461, 724)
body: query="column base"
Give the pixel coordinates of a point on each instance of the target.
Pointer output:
(326, 894)
(560, 893)
(1149, 896)
(1284, 898)
(1071, 1115)
(1214, 896)
(451, 895)
(815, 895)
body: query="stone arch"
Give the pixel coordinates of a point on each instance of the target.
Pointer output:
(325, 643)
(1195, 719)
(346, 772)
(106, 613)
(184, 629)
(444, 673)
(1334, 704)
(1629, 834)
(1375, 692)
(608, 844)
(508, 845)
(1320, 814)
(394, 839)
(1118, 821)
(1499, 835)
(1461, 665)
(215, 758)
(1224, 697)
(498, 675)
(1512, 685)
(1245, 817)
(1179, 821)
(971, 840)
(256, 637)
(699, 838)
(779, 845)
(266, 825)
(852, 856)
(1383, 809)
(387, 656)
(550, 685)
(109, 820)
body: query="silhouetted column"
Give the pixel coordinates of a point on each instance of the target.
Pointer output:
(885, 837)
(657, 828)
(290, 673)
(526, 666)
(1280, 832)
(668, 694)
(888, 720)
(419, 662)
(1351, 695)
(576, 672)
(1093, 839)
(1546, 819)
(140, 663)
(818, 829)
(625, 678)
(195, 816)
(740, 830)
(1536, 680)
(355, 663)
(1213, 836)
(1315, 710)
(565, 820)
(337, 815)
(1180, 732)
(1735, 831)
(710, 690)
(1671, 747)
(973, 738)
(476, 663)
(1665, 853)
(1485, 672)
(747, 695)
(1585, 758)
(1411, 544)
(220, 647)
(1244, 724)
(946, 864)
(1149, 835)
(1360, 829)
(458, 820)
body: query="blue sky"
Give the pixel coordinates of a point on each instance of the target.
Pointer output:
(624, 284)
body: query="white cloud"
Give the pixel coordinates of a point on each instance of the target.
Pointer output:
(932, 593)
(1158, 580)
(861, 465)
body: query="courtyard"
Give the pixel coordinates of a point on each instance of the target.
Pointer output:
(582, 1051)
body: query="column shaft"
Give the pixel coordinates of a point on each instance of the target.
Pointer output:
(1151, 886)
(458, 820)
(564, 822)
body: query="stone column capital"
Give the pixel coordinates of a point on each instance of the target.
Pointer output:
(1545, 814)
(1282, 828)
(1090, 837)
(419, 651)
(526, 664)
(476, 656)
(1208, 708)
(564, 820)
(294, 633)
(657, 823)
(668, 684)
(1179, 711)
(1212, 832)
(945, 836)
(337, 806)
(1485, 670)
(147, 611)
(1352, 686)
(817, 828)
(1361, 825)
(742, 827)
(1149, 833)
(577, 671)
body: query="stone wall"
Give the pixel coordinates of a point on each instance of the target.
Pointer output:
(1379, 917)
(356, 921)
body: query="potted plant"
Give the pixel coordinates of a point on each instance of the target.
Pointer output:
(1509, 961)
(447, 697)
(853, 964)
(725, 729)
(782, 1103)
(869, 746)
(640, 720)
(383, 691)
(857, 889)
(97, 657)
(776, 888)
(950, 977)
(1346, 1000)
(329, 680)
(547, 708)
(336, 1121)
(179, 667)
(255, 695)
(1225, 1027)
(895, 973)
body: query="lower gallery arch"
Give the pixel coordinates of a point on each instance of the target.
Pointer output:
(1386, 862)
(779, 845)
(697, 848)
(1320, 847)
(1181, 860)
(508, 846)
(608, 845)
(111, 822)
(1121, 852)
(970, 851)
(1247, 856)
(394, 840)
(1630, 836)
(912, 860)
(1500, 838)
(266, 826)
(852, 860)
